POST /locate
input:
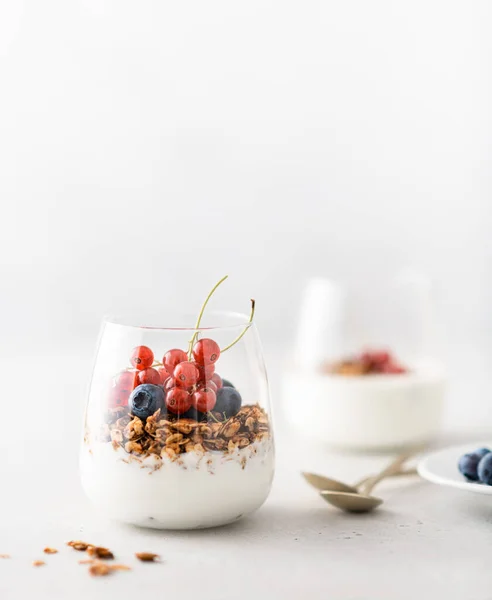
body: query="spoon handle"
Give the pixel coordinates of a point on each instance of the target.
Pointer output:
(400, 473)
(391, 469)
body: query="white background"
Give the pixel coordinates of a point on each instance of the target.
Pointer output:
(146, 149)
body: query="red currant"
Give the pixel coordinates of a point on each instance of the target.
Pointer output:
(204, 399)
(206, 351)
(118, 398)
(163, 374)
(149, 375)
(178, 401)
(127, 381)
(169, 384)
(186, 375)
(142, 357)
(375, 359)
(172, 359)
(206, 384)
(217, 379)
(205, 373)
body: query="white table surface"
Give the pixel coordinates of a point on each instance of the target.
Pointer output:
(426, 541)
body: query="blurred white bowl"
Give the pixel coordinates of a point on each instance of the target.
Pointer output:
(373, 412)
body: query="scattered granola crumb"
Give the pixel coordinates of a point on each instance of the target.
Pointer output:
(95, 551)
(97, 563)
(38, 563)
(100, 552)
(120, 568)
(50, 551)
(99, 569)
(4, 555)
(78, 545)
(147, 556)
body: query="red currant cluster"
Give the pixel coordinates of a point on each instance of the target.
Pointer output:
(373, 362)
(192, 383)
(187, 383)
(381, 362)
(178, 382)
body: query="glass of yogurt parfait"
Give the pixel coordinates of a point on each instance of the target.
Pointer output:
(177, 431)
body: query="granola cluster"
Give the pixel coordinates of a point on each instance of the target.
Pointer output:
(163, 437)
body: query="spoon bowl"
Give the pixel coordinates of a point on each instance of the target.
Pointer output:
(361, 501)
(352, 502)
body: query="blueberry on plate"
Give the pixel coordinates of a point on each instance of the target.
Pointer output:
(482, 452)
(485, 469)
(226, 383)
(145, 400)
(468, 463)
(228, 401)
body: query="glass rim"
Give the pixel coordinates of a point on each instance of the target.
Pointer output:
(123, 320)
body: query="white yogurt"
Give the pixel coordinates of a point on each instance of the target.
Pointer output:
(366, 412)
(192, 492)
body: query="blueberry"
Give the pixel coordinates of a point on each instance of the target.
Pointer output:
(194, 414)
(228, 401)
(468, 463)
(146, 399)
(485, 469)
(482, 452)
(226, 383)
(191, 413)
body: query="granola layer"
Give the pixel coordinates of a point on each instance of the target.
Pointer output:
(170, 438)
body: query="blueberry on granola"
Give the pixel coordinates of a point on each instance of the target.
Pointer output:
(194, 414)
(228, 401)
(146, 399)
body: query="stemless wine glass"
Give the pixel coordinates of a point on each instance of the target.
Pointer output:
(147, 461)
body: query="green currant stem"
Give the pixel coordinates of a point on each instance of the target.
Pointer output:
(251, 315)
(213, 417)
(198, 321)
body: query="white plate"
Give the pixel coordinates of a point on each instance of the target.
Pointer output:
(441, 467)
